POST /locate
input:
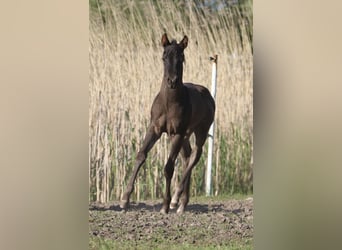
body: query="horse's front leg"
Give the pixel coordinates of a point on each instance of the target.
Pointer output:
(177, 142)
(150, 139)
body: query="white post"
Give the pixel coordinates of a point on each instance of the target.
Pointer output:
(211, 130)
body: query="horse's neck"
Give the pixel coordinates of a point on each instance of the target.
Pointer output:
(170, 96)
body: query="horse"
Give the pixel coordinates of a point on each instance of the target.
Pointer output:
(179, 109)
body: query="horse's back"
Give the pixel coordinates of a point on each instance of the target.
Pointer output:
(202, 93)
(203, 104)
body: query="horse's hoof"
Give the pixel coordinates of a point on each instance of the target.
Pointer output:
(173, 205)
(180, 210)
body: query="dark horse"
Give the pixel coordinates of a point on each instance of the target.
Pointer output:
(179, 109)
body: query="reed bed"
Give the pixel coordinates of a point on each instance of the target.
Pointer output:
(125, 76)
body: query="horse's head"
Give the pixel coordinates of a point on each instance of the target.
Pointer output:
(173, 58)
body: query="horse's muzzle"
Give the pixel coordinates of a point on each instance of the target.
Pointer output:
(172, 82)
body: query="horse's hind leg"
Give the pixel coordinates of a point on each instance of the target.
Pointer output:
(185, 153)
(184, 199)
(150, 139)
(194, 158)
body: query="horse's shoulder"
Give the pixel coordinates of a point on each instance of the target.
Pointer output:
(157, 107)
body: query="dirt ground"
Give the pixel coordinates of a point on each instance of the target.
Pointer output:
(204, 223)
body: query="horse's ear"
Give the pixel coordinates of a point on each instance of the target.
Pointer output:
(184, 42)
(165, 41)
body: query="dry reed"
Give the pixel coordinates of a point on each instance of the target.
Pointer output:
(125, 76)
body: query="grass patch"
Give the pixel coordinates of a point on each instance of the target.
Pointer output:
(223, 197)
(97, 243)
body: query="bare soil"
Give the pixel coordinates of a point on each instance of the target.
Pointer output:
(204, 223)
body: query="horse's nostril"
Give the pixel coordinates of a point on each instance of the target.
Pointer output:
(172, 80)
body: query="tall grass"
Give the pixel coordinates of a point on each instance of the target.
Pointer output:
(125, 76)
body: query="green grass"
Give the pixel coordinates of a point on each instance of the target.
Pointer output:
(96, 243)
(206, 199)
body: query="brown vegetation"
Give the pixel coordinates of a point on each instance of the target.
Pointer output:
(125, 75)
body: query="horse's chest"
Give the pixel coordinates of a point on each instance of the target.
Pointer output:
(170, 124)
(174, 126)
(173, 118)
